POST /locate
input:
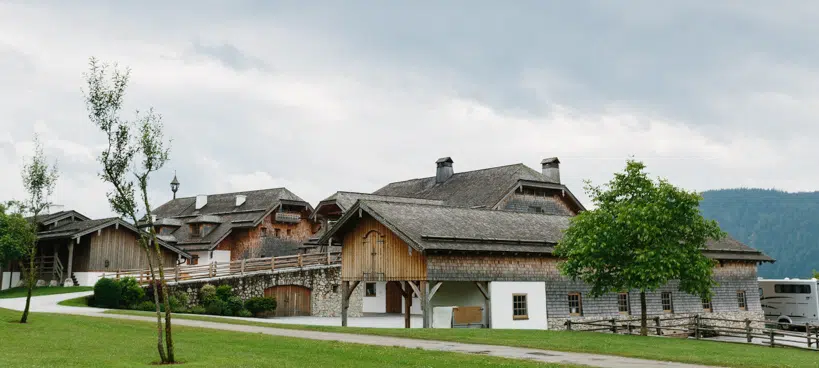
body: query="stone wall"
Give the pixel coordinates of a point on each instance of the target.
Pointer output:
(323, 281)
(730, 276)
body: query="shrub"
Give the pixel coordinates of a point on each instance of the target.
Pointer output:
(198, 309)
(244, 313)
(207, 294)
(224, 292)
(132, 293)
(183, 299)
(260, 305)
(107, 293)
(149, 291)
(235, 304)
(147, 306)
(215, 307)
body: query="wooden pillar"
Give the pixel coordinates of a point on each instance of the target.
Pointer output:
(70, 265)
(345, 302)
(407, 292)
(487, 301)
(425, 310)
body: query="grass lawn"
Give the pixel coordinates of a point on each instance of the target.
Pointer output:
(40, 291)
(72, 341)
(668, 349)
(76, 302)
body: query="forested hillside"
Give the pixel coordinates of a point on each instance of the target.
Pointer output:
(783, 225)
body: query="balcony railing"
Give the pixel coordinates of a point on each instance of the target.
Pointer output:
(288, 217)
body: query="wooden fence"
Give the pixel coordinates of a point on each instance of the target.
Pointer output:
(701, 327)
(238, 267)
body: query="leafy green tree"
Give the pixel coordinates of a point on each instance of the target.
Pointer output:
(641, 235)
(136, 149)
(15, 233)
(39, 179)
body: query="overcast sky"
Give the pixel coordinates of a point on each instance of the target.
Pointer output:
(352, 95)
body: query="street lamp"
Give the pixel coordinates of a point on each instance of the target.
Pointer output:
(174, 185)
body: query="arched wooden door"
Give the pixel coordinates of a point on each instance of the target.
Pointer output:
(374, 243)
(291, 300)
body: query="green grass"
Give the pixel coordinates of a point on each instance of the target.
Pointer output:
(76, 302)
(73, 341)
(40, 291)
(667, 349)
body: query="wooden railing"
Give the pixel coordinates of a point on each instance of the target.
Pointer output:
(49, 267)
(700, 327)
(238, 267)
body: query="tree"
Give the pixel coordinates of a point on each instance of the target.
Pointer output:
(15, 232)
(135, 150)
(38, 179)
(641, 235)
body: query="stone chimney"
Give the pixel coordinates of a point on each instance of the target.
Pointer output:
(201, 201)
(444, 170)
(551, 169)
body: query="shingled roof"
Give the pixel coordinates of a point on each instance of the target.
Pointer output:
(434, 228)
(483, 188)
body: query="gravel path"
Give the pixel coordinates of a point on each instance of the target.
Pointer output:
(49, 304)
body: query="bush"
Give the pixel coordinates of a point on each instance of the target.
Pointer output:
(147, 306)
(235, 304)
(244, 313)
(260, 305)
(224, 292)
(183, 299)
(107, 293)
(207, 294)
(215, 307)
(198, 309)
(132, 293)
(149, 291)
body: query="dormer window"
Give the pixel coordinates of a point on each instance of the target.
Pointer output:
(196, 230)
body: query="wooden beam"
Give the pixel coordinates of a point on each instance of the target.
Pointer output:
(345, 302)
(434, 290)
(425, 303)
(407, 291)
(487, 301)
(483, 290)
(70, 261)
(414, 288)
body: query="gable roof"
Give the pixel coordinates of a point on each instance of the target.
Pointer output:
(442, 228)
(483, 188)
(56, 217)
(77, 229)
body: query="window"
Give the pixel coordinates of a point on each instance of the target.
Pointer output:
(623, 303)
(668, 303)
(791, 289)
(535, 209)
(706, 305)
(276, 232)
(575, 304)
(520, 308)
(165, 230)
(264, 232)
(196, 230)
(335, 289)
(288, 232)
(194, 260)
(741, 301)
(370, 290)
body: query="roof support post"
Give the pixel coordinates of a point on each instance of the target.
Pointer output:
(426, 310)
(484, 289)
(70, 261)
(407, 294)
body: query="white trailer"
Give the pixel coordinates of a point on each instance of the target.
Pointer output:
(790, 302)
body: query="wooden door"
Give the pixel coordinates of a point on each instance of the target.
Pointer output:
(394, 297)
(374, 243)
(291, 300)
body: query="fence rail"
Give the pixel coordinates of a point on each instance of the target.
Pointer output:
(237, 267)
(701, 327)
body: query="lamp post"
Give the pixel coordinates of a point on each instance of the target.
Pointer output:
(174, 185)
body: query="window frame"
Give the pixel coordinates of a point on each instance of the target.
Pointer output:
(620, 310)
(367, 290)
(742, 300)
(709, 303)
(516, 308)
(579, 312)
(670, 301)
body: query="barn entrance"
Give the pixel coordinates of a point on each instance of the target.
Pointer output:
(394, 297)
(291, 300)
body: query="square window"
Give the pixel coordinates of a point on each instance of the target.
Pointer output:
(288, 232)
(264, 232)
(741, 301)
(520, 307)
(276, 232)
(370, 290)
(575, 304)
(706, 305)
(623, 303)
(535, 209)
(668, 303)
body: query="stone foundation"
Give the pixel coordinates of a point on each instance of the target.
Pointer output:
(324, 283)
(686, 318)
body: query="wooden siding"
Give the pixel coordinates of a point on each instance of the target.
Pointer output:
(252, 243)
(392, 258)
(121, 249)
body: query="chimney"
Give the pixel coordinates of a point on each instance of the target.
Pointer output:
(551, 169)
(201, 201)
(444, 170)
(240, 199)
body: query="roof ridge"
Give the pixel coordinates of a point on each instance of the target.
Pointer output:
(459, 173)
(463, 208)
(239, 192)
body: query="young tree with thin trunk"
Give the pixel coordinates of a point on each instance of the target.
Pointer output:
(641, 235)
(136, 149)
(15, 232)
(39, 179)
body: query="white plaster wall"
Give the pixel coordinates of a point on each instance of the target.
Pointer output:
(10, 280)
(501, 295)
(204, 257)
(458, 294)
(377, 303)
(221, 256)
(89, 278)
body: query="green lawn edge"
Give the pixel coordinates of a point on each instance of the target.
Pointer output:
(41, 291)
(653, 348)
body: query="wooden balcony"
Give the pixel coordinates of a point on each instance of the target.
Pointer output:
(288, 217)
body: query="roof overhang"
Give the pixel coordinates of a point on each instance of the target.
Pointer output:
(356, 211)
(543, 185)
(116, 222)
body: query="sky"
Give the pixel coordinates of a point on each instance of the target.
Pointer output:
(323, 96)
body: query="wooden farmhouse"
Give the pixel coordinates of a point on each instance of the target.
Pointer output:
(482, 242)
(231, 226)
(75, 250)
